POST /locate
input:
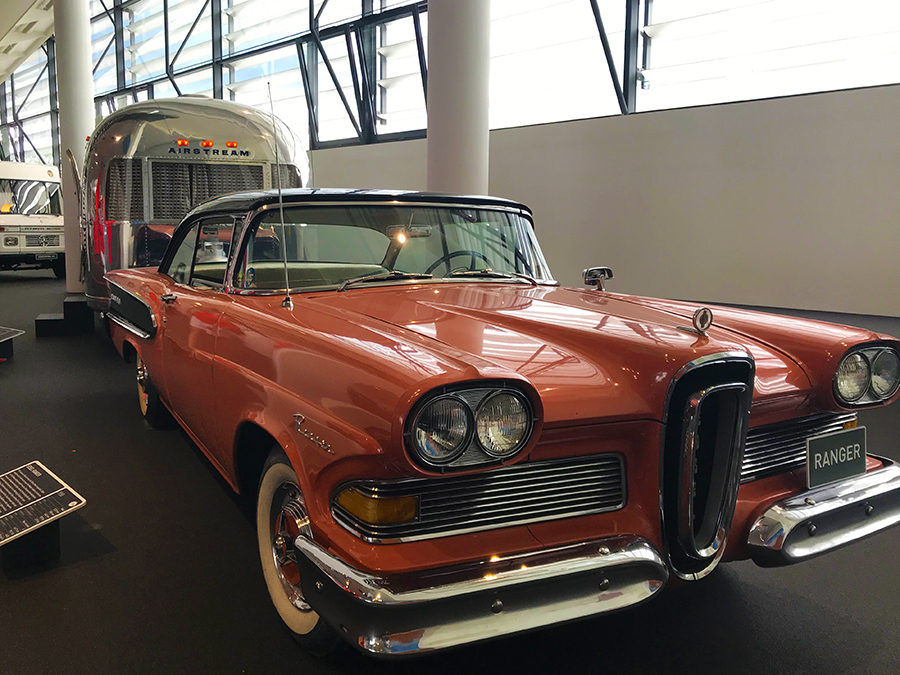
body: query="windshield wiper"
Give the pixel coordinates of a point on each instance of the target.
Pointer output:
(383, 276)
(491, 274)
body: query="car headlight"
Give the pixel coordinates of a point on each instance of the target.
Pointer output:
(503, 422)
(851, 381)
(886, 373)
(441, 430)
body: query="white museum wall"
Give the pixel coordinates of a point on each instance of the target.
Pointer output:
(790, 202)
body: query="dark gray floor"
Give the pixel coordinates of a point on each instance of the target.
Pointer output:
(160, 573)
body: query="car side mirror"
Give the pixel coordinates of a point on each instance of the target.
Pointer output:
(595, 276)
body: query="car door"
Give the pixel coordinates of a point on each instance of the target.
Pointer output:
(192, 309)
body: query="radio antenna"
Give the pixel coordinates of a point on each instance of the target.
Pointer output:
(287, 302)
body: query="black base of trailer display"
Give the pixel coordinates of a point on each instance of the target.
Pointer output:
(76, 319)
(50, 325)
(78, 316)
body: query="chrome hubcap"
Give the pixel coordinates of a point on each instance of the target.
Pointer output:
(289, 522)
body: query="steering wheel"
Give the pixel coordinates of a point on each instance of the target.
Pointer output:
(447, 258)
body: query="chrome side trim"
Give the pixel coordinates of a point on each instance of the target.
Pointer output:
(127, 325)
(826, 518)
(421, 611)
(138, 298)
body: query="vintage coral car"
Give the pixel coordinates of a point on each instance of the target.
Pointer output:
(447, 446)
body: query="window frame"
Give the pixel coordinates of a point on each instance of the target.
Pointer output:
(255, 216)
(178, 237)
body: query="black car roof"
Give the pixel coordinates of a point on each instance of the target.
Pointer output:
(250, 201)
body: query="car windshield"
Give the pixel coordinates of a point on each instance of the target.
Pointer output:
(30, 197)
(329, 245)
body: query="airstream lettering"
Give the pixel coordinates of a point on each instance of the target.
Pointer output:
(149, 164)
(208, 152)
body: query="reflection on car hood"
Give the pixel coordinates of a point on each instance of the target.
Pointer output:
(587, 353)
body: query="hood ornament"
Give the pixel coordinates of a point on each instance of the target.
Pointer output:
(702, 320)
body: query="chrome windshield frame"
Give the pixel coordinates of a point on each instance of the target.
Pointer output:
(236, 248)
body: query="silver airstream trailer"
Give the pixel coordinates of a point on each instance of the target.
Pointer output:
(150, 163)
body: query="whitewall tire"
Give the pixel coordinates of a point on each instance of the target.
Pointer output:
(280, 518)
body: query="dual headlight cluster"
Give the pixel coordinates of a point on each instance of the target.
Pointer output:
(498, 422)
(868, 375)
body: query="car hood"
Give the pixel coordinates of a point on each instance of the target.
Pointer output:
(591, 356)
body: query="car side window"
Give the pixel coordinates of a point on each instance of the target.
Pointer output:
(180, 264)
(213, 246)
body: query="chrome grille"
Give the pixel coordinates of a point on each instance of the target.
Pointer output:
(781, 447)
(179, 187)
(171, 190)
(525, 493)
(214, 180)
(290, 176)
(41, 240)
(125, 190)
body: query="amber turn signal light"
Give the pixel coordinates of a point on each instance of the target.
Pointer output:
(378, 510)
(231, 144)
(207, 144)
(852, 424)
(181, 142)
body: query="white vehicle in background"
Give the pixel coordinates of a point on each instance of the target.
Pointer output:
(31, 221)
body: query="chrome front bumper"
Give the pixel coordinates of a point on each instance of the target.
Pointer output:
(826, 518)
(433, 609)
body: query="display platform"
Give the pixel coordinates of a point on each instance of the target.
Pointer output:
(75, 319)
(32, 500)
(7, 335)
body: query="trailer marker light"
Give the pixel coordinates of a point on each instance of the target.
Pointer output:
(207, 144)
(181, 142)
(231, 144)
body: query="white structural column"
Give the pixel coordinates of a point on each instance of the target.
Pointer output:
(459, 58)
(75, 85)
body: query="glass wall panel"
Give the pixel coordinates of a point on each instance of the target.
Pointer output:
(38, 141)
(251, 23)
(103, 54)
(145, 40)
(246, 82)
(706, 52)
(32, 91)
(401, 96)
(338, 11)
(334, 121)
(547, 61)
